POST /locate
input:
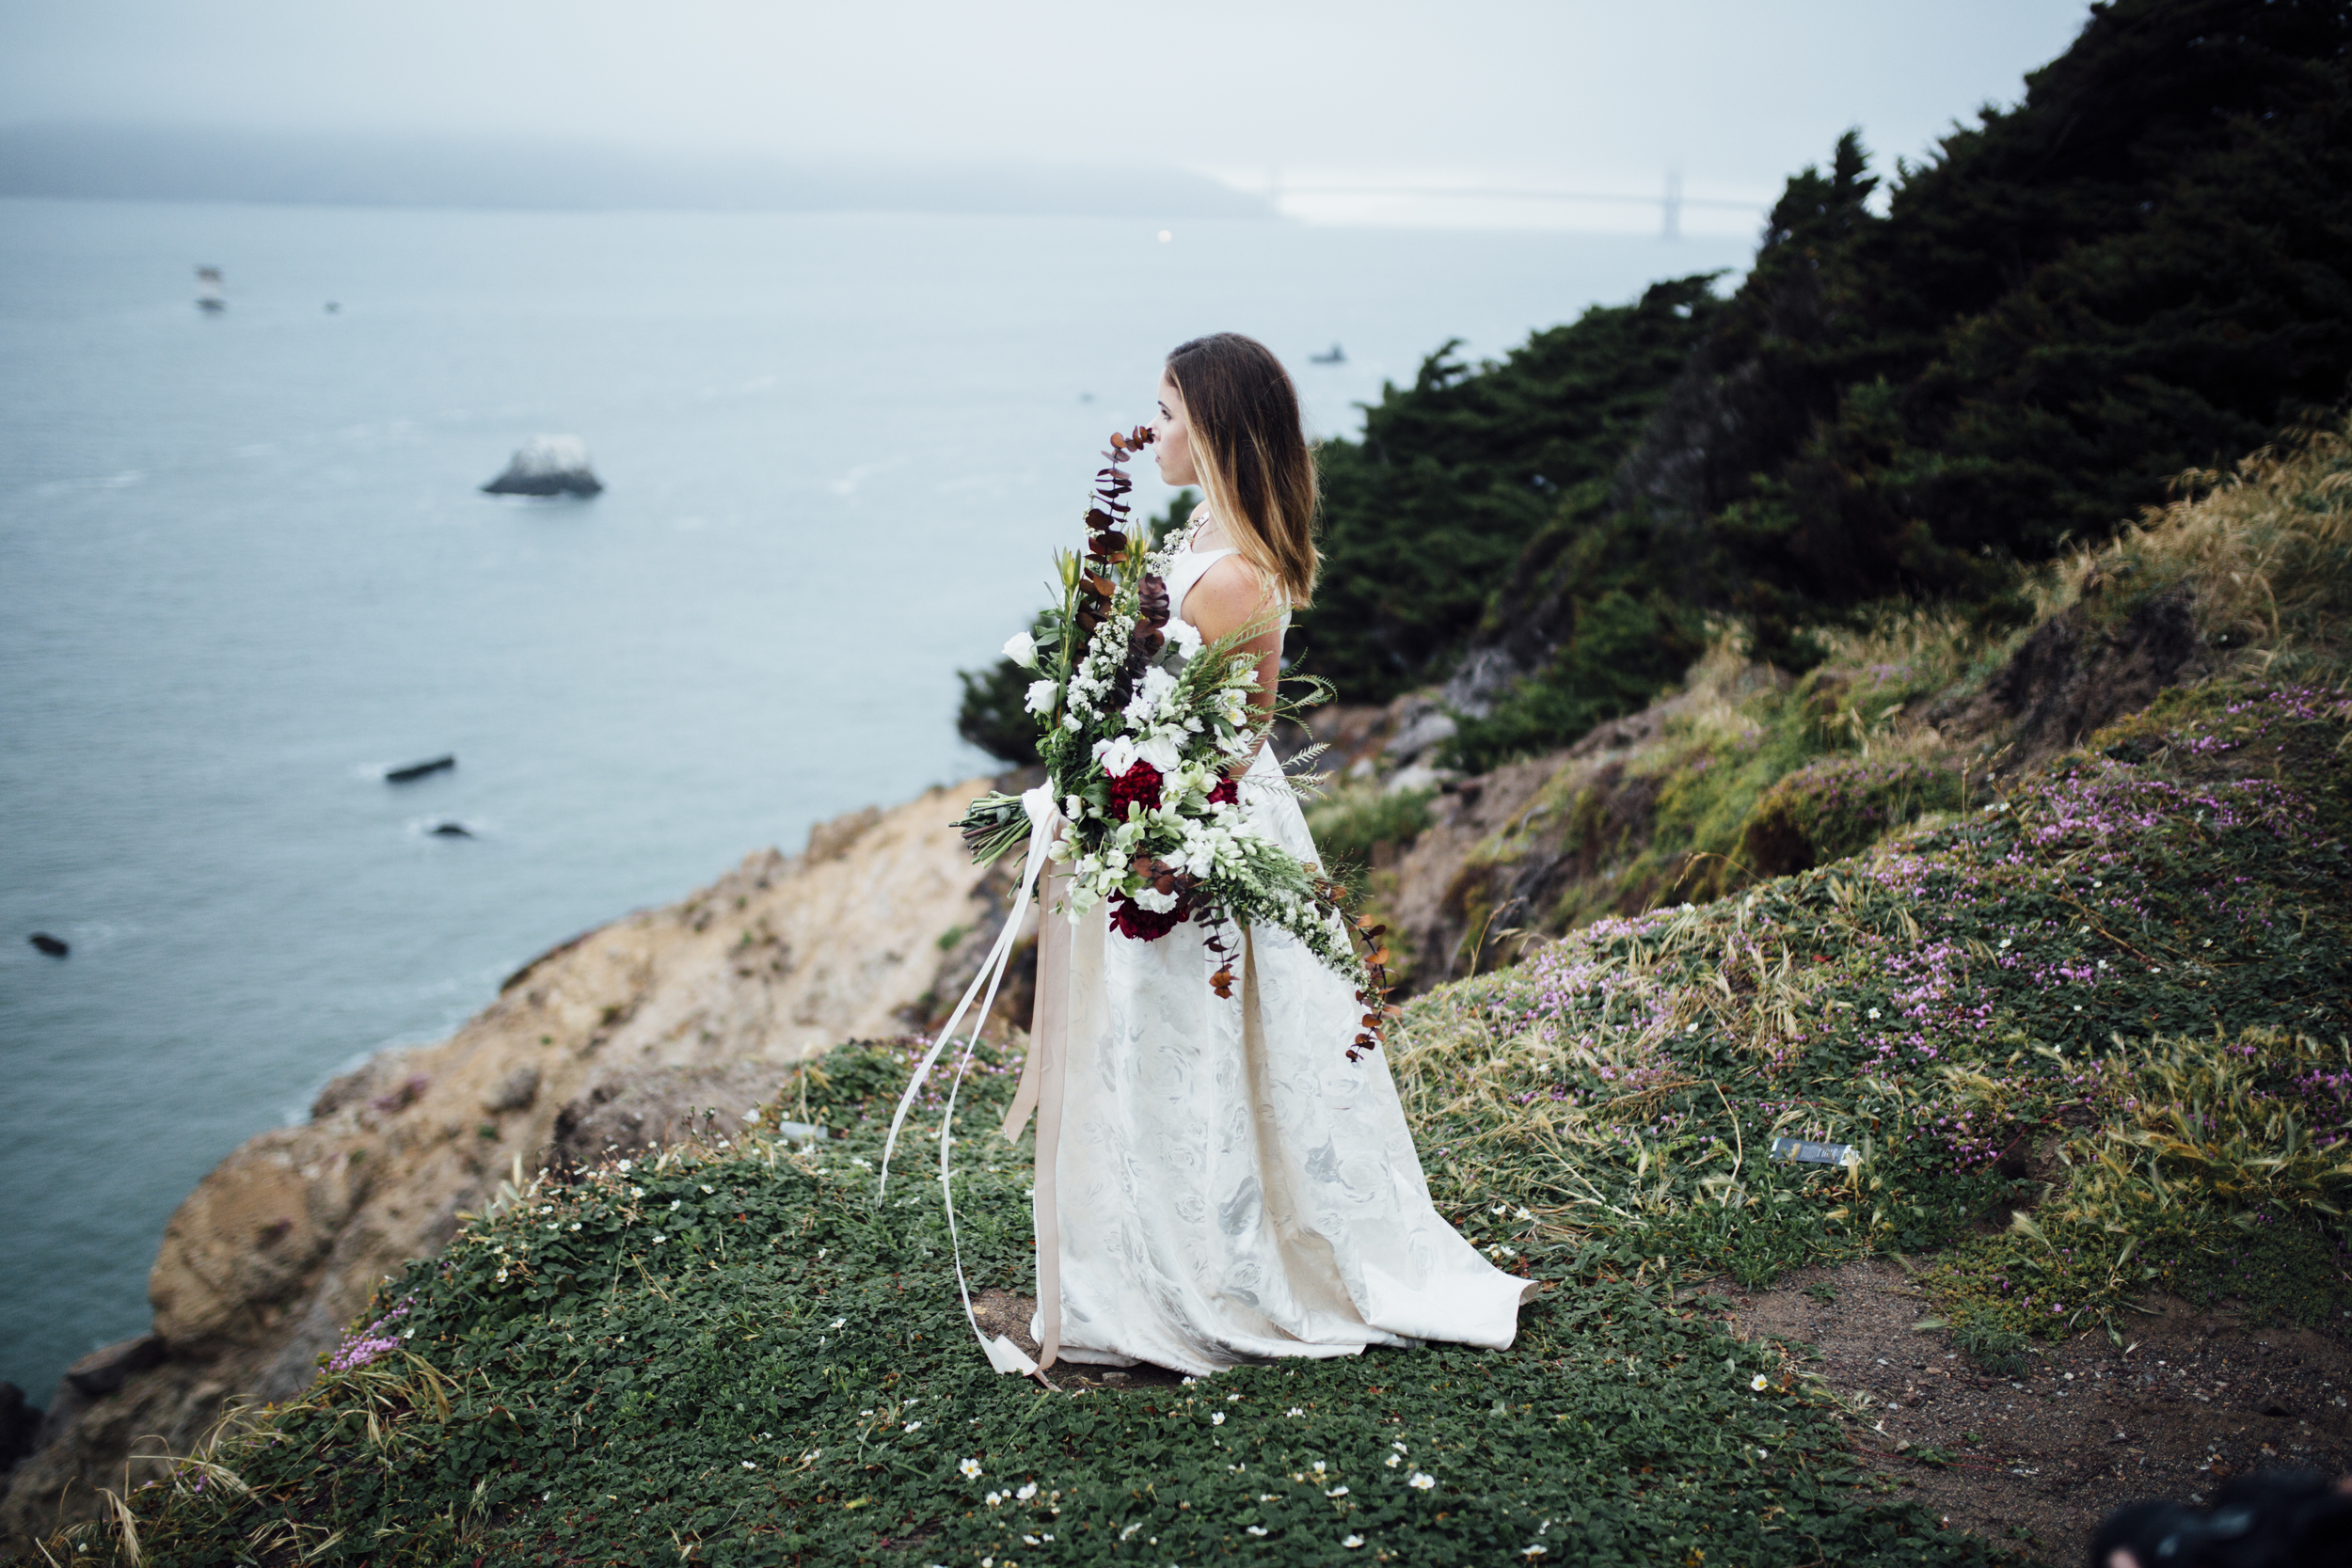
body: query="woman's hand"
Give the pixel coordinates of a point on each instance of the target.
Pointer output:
(1230, 595)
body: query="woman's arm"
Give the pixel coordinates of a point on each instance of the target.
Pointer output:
(1228, 596)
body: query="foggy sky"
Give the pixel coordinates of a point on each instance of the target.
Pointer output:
(1574, 94)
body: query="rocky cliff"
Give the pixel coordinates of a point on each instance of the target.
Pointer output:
(623, 1034)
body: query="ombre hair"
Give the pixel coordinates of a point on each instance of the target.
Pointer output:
(1252, 455)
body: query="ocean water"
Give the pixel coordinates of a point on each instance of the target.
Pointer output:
(245, 567)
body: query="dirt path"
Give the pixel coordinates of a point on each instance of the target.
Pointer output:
(2190, 1398)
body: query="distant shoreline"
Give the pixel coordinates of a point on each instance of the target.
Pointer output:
(157, 163)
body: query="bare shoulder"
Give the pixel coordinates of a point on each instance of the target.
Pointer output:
(1230, 595)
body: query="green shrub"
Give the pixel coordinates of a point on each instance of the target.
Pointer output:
(1355, 818)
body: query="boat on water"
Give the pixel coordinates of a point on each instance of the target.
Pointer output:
(208, 296)
(1336, 357)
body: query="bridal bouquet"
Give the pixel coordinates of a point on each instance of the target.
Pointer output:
(1142, 730)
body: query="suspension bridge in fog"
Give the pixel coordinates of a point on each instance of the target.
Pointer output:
(1669, 202)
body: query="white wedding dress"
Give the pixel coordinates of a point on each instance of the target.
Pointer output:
(1226, 1185)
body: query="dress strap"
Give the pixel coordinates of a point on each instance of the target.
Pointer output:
(1187, 569)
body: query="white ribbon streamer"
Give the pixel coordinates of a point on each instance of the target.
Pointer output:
(1045, 819)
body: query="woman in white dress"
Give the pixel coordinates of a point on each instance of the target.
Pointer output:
(1225, 1184)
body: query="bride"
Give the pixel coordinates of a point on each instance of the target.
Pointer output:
(1220, 1183)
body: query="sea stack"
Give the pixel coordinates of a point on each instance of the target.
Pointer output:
(547, 466)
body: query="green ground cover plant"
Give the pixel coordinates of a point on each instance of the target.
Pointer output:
(737, 1355)
(1985, 1007)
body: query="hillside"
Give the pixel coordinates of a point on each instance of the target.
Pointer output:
(1926, 381)
(2084, 1038)
(2137, 269)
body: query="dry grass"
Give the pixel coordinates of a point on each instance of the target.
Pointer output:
(2266, 547)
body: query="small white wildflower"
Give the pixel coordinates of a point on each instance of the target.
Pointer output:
(993, 1498)
(1534, 1551)
(1296, 1411)
(1759, 1382)
(748, 1466)
(1218, 1419)
(710, 1189)
(1874, 1013)
(971, 1468)
(1421, 1480)
(1130, 1530)
(1318, 1466)
(838, 1322)
(1030, 1540)
(1027, 1491)
(575, 1225)
(915, 1426)
(1400, 1447)
(658, 1238)
(622, 1168)
(677, 1203)
(1394, 1460)
(1352, 1542)
(1522, 1213)
(1255, 1529)
(1337, 1492)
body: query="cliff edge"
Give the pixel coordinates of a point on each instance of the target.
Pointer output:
(698, 1006)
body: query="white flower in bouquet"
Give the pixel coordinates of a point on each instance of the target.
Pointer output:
(1021, 649)
(1150, 697)
(1117, 755)
(1041, 698)
(1154, 900)
(1185, 638)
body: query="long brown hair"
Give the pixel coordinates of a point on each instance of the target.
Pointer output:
(1251, 453)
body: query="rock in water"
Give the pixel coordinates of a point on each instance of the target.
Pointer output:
(452, 830)
(547, 466)
(55, 947)
(416, 770)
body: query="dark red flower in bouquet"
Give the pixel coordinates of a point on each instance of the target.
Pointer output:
(1135, 923)
(1227, 793)
(1140, 784)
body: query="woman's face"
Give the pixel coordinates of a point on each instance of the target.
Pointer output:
(1172, 447)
